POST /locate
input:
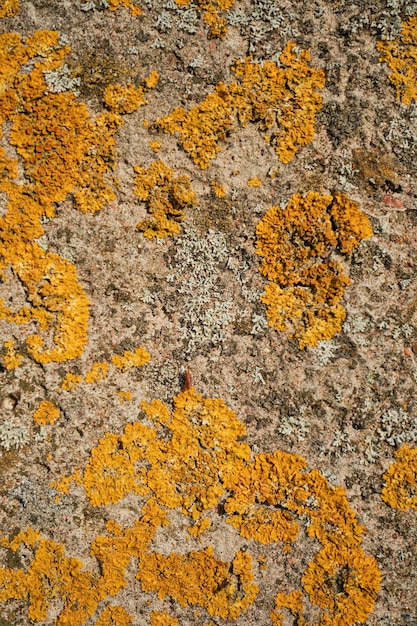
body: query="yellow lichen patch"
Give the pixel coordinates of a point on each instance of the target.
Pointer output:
(12, 359)
(139, 357)
(199, 527)
(190, 459)
(51, 576)
(71, 381)
(124, 99)
(254, 182)
(46, 413)
(133, 8)
(114, 616)
(124, 396)
(401, 57)
(8, 8)
(98, 372)
(188, 470)
(166, 197)
(282, 99)
(155, 146)
(219, 190)
(199, 578)
(161, 618)
(277, 484)
(211, 9)
(292, 601)
(360, 577)
(151, 81)
(400, 489)
(306, 284)
(62, 151)
(259, 490)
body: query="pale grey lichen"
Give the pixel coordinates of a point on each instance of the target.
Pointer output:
(13, 435)
(325, 351)
(294, 426)
(206, 302)
(60, 80)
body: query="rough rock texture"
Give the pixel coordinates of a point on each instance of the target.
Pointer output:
(167, 456)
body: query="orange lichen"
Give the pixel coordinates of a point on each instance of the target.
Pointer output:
(52, 576)
(124, 99)
(293, 601)
(186, 471)
(8, 8)
(155, 146)
(139, 357)
(267, 496)
(46, 413)
(194, 467)
(219, 189)
(151, 81)
(199, 527)
(199, 578)
(254, 509)
(166, 197)
(400, 489)
(12, 359)
(98, 371)
(71, 381)
(161, 618)
(254, 182)
(133, 8)
(282, 97)
(306, 284)
(114, 616)
(63, 151)
(211, 9)
(124, 396)
(401, 56)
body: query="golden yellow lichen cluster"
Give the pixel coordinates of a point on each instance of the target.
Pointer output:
(188, 470)
(129, 359)
(218, 189)
(212, 8)
(133, 8)
(401, 57)
(63, 151)
(51, 576)
(223, 589)
(400, 489)
(46, 413)
(296, 244)
(166, 197)
(8, 8)
(12, 358)
(282, 99)
(100, 370)
(161, 618)
(203, 461)
(114, 616)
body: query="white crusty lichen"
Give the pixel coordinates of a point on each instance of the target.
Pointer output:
(207, 308)
(13, 435)
(60, 80)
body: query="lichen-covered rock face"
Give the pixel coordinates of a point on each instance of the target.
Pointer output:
(400, 490)
(268, 251)
(282, 99)
(201, 463)
(296, 245)
(64, 151)
(400, 55)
